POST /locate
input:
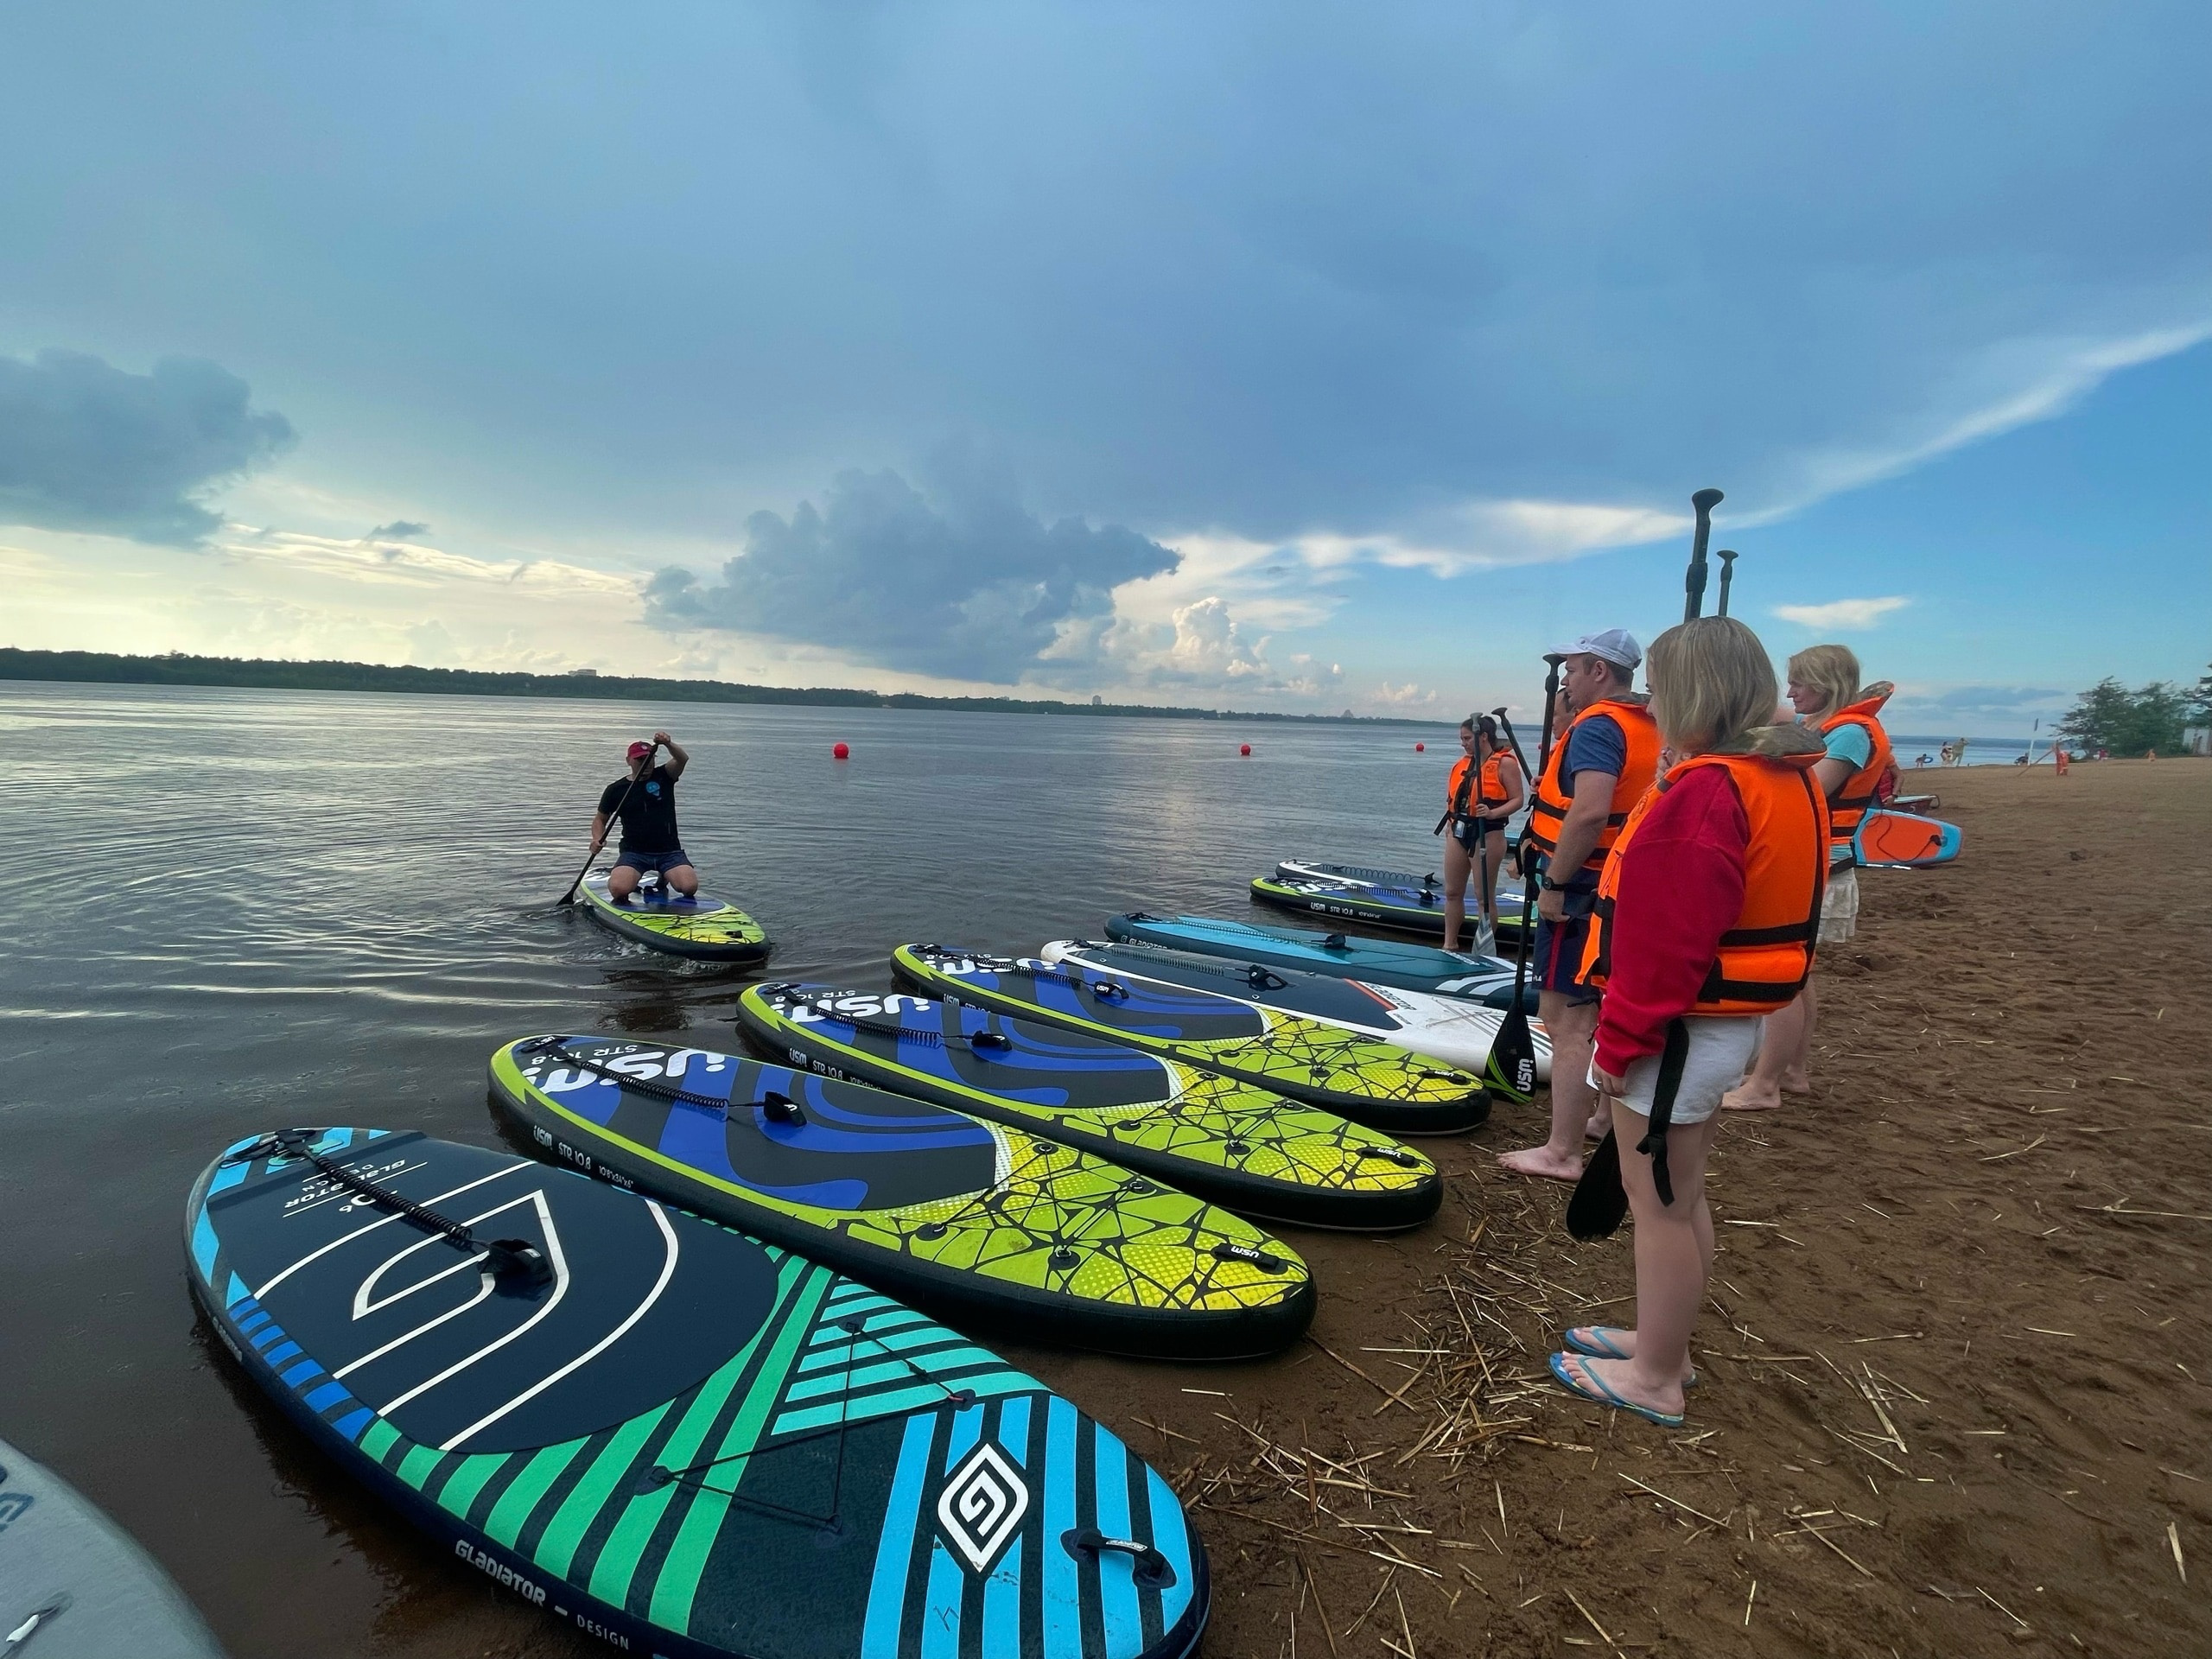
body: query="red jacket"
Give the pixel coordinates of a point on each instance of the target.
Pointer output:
(1682, 887)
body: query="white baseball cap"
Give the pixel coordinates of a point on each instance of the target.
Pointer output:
(1617, 645)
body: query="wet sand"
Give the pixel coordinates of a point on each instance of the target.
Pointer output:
(1954, 1377)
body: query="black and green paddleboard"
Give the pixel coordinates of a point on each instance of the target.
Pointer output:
(701, 928)
(1309, 1060)
(971, 1218)
(1218, 1137)
(673, 1438)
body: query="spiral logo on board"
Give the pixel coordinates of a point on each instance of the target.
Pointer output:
(981, 1506)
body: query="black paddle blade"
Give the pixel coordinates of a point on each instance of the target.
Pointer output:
(1600, 1202)
(1512, 1068)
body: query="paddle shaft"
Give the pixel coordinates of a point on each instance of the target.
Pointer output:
(1727, 573)
(1694, 579)
(1527, 871)
(568, 893)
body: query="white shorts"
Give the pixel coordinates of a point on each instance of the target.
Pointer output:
(1840, 907)
(1722, 1048)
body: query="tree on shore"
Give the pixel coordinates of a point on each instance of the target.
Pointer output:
(2110, 716)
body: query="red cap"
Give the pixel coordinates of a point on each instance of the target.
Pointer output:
(639, 751)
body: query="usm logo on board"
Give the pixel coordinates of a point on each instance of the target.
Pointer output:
(981, 1506)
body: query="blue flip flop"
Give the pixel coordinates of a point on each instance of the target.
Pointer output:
(1596, 1342)
(1594, 1391)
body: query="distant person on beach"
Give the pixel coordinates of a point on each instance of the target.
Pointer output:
(1600, 766)
(2060, 758)
(646, 803)
(1824, 690)
(1485, 790)
(1705, 917)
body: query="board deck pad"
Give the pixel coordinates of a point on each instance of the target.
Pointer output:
(1374, 961)
(702, 928)
(916, 1198)
(1242, 1146)
(1450, 1029)
(1891, 840)
(1320, 1063)
(686, 1442)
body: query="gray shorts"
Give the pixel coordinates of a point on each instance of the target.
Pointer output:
(1722, 1048)
(1840, 906)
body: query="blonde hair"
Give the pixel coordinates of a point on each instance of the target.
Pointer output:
(1832, 670)
(1712, 684)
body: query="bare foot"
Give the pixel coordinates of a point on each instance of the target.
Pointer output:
(1619, 1342)
(1617, 1378)
(1797, 1083)
(1749, 1097)
(1540, 1161)
(1597, 1129)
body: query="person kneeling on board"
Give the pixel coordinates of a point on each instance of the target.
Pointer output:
(1824, 690)
(1705, 923)
(646, 803)
(1598, 770)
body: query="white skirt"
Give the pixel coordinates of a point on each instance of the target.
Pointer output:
(1722, 1048)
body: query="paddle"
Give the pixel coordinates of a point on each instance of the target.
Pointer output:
(569, 893)
(1512, 1068)
(1727, 572)
(1694, 579)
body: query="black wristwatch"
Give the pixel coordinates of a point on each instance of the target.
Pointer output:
(1545, 884)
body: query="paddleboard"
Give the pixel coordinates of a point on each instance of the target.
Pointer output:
(1447, 1028)
(676, 1439)
(924, 1202)
(702, 928)
(1305, 1060)
(1408, 909)
(1511, 899)
(75, 1585)
(1214, 1136)
(1488, 979)
(1904, 841)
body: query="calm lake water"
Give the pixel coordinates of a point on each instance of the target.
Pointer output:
(236, 910)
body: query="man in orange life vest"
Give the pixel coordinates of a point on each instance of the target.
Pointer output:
(1600, 768)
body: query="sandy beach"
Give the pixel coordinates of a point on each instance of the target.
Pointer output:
(1953, 1396)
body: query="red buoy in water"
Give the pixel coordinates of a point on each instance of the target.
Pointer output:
(841, 751)
(1243, 748)
(1420, 749)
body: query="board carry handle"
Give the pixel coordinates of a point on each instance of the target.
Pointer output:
(1335, 942)
(1151, 1570)
(517, 1262)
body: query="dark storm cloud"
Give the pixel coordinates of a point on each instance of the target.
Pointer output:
(85, 446)
(970, 587)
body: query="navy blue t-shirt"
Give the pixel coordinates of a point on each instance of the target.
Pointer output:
(1596, 745)
(648, 814)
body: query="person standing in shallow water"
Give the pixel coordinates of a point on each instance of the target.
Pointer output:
(1485, 790)
(646, 803)
(1704, 921)
(1598, 769)
(1825, 691)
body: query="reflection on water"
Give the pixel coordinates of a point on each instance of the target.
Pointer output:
(234, 909)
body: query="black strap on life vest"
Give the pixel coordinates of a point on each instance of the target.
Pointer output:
(1672, 1059)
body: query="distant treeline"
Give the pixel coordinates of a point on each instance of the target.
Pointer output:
(2154, 718)
(267, 674)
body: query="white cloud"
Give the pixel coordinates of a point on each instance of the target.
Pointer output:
(1408, 695)
(2013, 383)
(1841, 613)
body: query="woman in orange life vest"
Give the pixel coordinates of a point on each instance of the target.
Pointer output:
(1485, 791)
(1825, 691)
(1705, 917)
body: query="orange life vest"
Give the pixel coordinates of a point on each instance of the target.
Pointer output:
(1861, 790)
(1549, 811)
(1766, 957)
(1489, 789)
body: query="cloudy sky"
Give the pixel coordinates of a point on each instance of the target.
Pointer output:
(1269, 355)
